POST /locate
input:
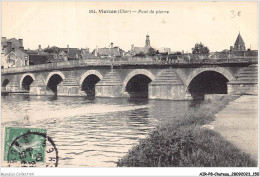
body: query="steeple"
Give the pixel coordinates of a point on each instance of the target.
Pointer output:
(239, 44)
(147, 41)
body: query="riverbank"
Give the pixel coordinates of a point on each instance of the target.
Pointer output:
(185, 141)
(238, 123)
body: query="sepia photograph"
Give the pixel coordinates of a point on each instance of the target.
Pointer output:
(129, 84)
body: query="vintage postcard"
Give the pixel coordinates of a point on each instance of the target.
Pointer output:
(130, 84)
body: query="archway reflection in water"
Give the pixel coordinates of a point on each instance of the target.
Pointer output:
(97, 131)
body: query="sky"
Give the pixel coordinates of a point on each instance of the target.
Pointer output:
(215, 24)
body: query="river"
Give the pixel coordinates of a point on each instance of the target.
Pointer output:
(90, 132)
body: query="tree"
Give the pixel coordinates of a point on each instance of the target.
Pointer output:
(177, 53)
(140, 54)
(200, 49)
(225, 51)
(151, 51)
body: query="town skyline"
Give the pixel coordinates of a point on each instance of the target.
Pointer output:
(66, 23)
(109, 46)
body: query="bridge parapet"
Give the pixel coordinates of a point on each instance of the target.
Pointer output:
(108, 63)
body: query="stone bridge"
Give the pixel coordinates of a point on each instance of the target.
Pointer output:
(173, 81)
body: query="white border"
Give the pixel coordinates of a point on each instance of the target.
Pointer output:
(140, 171)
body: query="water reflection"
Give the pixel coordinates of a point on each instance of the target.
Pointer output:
(88, 131)
(138, 100)
(195, 103)
(53, 98)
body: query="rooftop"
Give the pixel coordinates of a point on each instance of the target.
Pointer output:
(239, 40)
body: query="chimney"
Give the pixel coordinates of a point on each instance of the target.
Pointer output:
(21, 41)
(111, 45)
(87, 50)
(83, 51)
(96, 52)
(132, 47)
(9, 47)
(40, 47)
(68, 48)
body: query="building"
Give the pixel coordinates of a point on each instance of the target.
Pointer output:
(163, 50)
(239, 44)
(111, 51)
(56, 54)
(141, 50)
(147, 49)
(39, 56)
(68, 53)
(13, 54)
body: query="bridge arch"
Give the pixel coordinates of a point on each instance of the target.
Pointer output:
(136, 83)
(88, 80)
(26, 81)
(52, 81)
(208, 81)
(53, 73)
(5, 83)
(220, 70)
(90, 72)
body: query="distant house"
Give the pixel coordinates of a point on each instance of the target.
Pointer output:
(62, 55)
(40, 59)
(88, 55)
(68, 53)
(163, 50)
(108, 52)
(39, 56)
(13, 54)
(41, 51)
(56, 54)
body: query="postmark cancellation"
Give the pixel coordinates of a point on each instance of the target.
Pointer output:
(28, 147)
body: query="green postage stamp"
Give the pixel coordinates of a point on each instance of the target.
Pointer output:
(29, 147)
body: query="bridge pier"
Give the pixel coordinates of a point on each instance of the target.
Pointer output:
(243, 89)
(109, 91)
(110, 86)
(245, 82)
(69, 87)
(168, 92)
(38, 87)
(38, 90)
(69, 90)
(14, 86)
(167, 85)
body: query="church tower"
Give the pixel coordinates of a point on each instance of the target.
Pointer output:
(147, 41)
(239, 44)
